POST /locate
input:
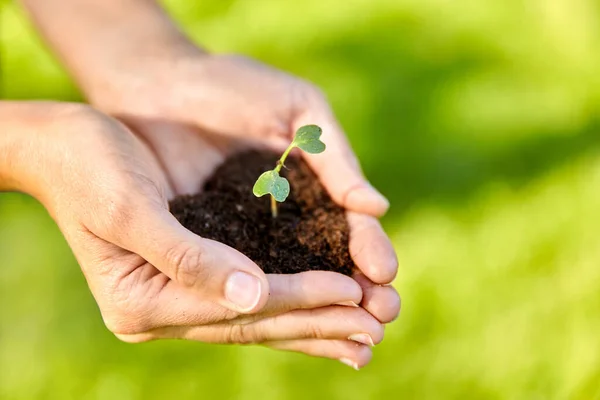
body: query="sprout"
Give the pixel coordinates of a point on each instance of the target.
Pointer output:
(307, 139)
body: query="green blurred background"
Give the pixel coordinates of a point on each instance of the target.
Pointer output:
(478, 119)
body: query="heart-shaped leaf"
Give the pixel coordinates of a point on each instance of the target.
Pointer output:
(271, 183)
(307, 139)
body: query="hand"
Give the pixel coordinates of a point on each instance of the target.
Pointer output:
(154, 279)
(239, 97)
(236, 97)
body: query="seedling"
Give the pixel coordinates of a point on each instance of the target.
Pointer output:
(307, 139)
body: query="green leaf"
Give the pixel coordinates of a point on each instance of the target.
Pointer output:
(271, 183)
(312, 147)
(307, 139)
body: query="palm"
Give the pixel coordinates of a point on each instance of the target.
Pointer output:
(188, 156)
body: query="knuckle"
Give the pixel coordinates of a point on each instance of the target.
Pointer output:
(313, 330)
(185, 261)
(241, 334)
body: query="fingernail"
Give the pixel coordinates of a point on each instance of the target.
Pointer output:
(243, 290)
(347, 304)
(362, 338)
(349, 363)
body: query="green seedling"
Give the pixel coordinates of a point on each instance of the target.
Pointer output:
(307, 139)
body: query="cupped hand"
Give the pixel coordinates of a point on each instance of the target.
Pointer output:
(108, 191)
(190, 156)
(236, 97)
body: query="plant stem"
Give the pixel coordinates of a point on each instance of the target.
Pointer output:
(273, 207)
(283, 157)
(277, 169)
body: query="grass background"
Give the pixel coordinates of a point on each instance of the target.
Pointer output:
(478, 119)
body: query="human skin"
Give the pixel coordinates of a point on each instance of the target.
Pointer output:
(142, 70)
(151, 277)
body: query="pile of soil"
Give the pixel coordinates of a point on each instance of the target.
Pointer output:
(310, 232)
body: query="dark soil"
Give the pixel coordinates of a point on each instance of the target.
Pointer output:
(310, 232)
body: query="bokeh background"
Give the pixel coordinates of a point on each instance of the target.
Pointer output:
(478, 119)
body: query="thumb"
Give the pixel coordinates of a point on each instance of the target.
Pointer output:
(339, 169)
(216, 271)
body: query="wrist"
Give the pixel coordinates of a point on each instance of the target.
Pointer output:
(17, 122)
(152, 44)
(26, 130)
(106, 39)
(132, 82)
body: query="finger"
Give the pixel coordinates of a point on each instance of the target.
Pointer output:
(178, 306)
(312, 289)
(334, 322)
(371, 249)
(339, 169)
(382, 302)
(353, 354)
(218, 272)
